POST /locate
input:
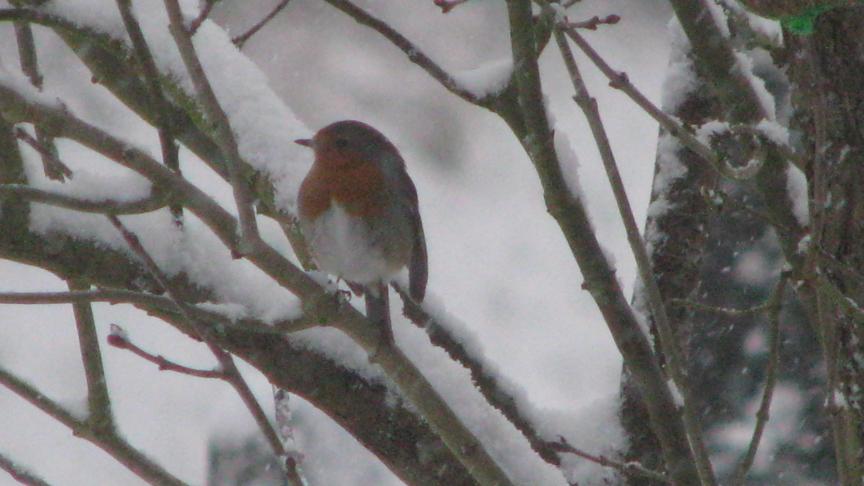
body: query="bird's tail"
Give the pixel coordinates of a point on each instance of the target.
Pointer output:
(378, 309)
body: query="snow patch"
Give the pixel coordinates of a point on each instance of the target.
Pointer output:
(487, 79)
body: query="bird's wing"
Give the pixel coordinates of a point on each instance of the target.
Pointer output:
(418, 267)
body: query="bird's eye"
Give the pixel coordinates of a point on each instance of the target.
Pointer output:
(340, 143)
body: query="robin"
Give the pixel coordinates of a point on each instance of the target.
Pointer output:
(359, 214)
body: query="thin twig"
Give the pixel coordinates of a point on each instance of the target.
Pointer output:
(632, 469)
(224, 134)
(775, 305)
(241, 39)
(98, 399)
(146, 205)
(20, 474)
(170, 150)
(621, 81)
(202, 16)
(595, 21)
(414, 53)
(120, 340)
(447, 5)
(536, 134)
(669, 343)
(727, 311)
(292, 458)
(232, 374)
(52, 165)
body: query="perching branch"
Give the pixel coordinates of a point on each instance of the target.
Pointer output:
(669, 342)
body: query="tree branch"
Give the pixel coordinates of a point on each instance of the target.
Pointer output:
(230, 372)
(170, 150)
(106, 440)
(98, 400)
(632, 469)
(600, 280)
(669, 342)
(225, 136)
(20, 474)
(120, 340)
(413, 52)
(146, 205)
(774, 305)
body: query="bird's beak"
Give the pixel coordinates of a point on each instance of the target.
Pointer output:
(306, 142)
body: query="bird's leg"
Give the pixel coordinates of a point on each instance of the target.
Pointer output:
(378, 311)
(343, 295)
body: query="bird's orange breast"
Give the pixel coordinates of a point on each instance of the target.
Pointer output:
(357, 186)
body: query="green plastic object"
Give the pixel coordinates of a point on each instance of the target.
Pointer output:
(803, 24)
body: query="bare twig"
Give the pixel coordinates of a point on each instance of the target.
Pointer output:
(170, 150)
(414, 53)
(594, 22)
(202, 16)
(632, 469)
(448, 5)
(293, 457)
(20, 474)
(98, 400)
(107, 440)
(52, 165)
(232, 374)
(669, 343)
(727, 311)
(146, 205)
(241, 39)
(775, 304)
(621, 81)
(224, 135)
(120, 340)
(535, 133)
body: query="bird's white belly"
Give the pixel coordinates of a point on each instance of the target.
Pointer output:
(342, 246)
